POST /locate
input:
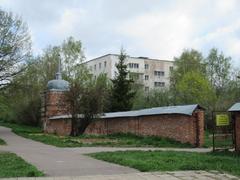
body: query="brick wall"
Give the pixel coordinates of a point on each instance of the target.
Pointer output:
(60, 127)
(54, 104)
(182, 128)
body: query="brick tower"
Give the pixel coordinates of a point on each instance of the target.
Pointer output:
(54, 102)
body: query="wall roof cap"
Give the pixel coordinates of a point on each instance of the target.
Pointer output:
(235, 107)
(182, 109)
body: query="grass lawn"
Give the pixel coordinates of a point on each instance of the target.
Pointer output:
(173, 161)
(115, 140)
(14, 166)
(2, 142)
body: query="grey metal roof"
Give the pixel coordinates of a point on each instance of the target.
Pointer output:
(235, 107)
(58, 84)
(184, 109)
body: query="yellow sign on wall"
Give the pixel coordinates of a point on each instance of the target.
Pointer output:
(222, 120)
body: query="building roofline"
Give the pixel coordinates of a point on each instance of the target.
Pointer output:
(151, 59)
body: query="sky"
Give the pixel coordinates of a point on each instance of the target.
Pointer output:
(151, 28)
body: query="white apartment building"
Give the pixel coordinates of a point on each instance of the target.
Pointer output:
(150, 73)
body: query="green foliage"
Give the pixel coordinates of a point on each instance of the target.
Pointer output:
(14, 166)
(122, 93)
(2, 142)
(72, 55)
(195, 88)
(15, 46)
(153, 98)
(218, 70)
(86, 97)
(173, 161)
(4, 108)
(189, 61)
(24, 92)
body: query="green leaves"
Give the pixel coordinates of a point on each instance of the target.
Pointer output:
(218, 70)
(15, 46)
(195, 88)
(122, 94)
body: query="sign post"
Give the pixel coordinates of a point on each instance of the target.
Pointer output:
(222, 130)
(222, 120)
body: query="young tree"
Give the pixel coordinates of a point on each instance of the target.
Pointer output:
(86, 98)
(218, 70)
(122, 94)
(195, 88)
(72, 55)
(189, 61)
(15, 46)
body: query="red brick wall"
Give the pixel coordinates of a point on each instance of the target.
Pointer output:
(54, 104)
(237, 131)
(200, 119)
(178, 127)
(60, 127)
(183, 128)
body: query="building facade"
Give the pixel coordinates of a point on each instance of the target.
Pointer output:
(150, 73)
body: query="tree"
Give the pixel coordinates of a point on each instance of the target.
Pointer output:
(86, 98)
(218, 70)
(153, 98)
(122, 94)
(195, 88)
(189, 61)
(72, 55)
(15, 46)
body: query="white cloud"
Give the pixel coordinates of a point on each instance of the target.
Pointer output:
(160, 29)
(193, 24)
(163, 34)
(68, 22)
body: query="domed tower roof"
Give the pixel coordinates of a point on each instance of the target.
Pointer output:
(58, 84)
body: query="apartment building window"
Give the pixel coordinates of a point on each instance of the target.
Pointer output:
(146, 77)
(159, 73)
(95, 67)
(171, 68)
(133, 65)
(159, 84)
(146, 66)
(134, 76)
(105, 64)
(100, 65)
(146, 89)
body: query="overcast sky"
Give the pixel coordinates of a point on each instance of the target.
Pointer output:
(154, 28)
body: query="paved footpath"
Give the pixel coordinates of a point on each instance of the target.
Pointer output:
(71, 163)
(54, 161)
(177, 175)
